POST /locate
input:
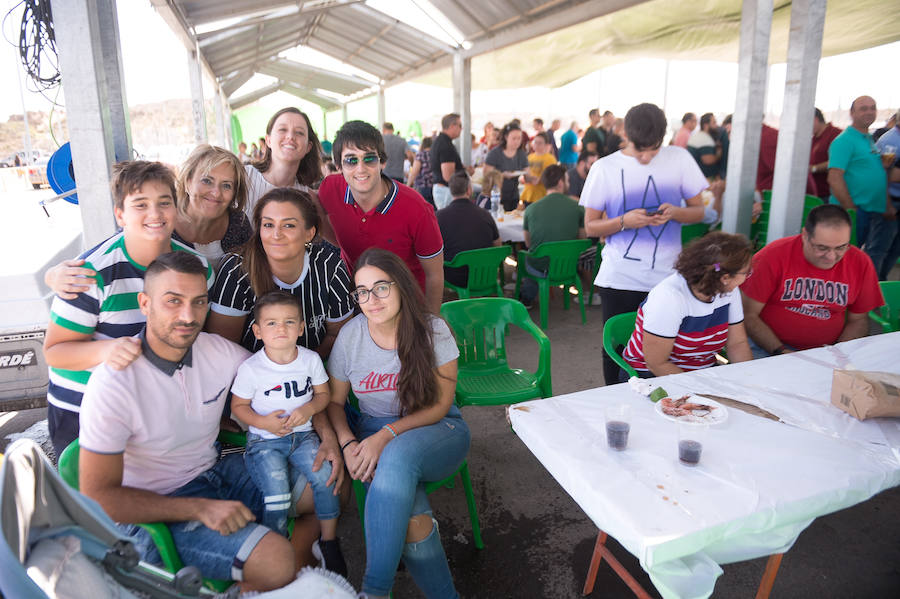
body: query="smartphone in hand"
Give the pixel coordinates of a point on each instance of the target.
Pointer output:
(652, 211)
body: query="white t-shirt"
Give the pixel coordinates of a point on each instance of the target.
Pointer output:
(372, 371)
(699, 329)
(257, 187)
(638, 259)
(165, 425)
(271, 386)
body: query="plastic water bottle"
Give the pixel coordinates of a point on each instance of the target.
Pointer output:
(495, 201)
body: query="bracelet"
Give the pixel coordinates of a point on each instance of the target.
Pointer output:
(778, 350)
(622, 223)
(393, 432)
(344, 446)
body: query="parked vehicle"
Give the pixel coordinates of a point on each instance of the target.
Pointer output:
(37, 174)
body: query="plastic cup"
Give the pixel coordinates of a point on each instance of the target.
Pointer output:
(618, 425)
(691, 439)
(888, 155)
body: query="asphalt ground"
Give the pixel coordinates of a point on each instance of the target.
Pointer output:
(538, 542)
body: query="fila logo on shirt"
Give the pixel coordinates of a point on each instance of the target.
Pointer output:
(291, 389)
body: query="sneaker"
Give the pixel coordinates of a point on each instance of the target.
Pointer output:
(528, 305)
(329, 555)
(595, 301)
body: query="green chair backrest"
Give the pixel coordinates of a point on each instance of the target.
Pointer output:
(616, 333)
(766, 199)
(891, 309)
(809, 202)
(480, 328)
(852, 213)
(692, 232)
(563, 257)
(483, 266)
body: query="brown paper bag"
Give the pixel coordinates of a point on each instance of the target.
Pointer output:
(866, 394)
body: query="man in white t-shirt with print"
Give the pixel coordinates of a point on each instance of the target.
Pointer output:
(633, 198)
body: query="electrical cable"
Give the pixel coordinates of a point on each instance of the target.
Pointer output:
(37, 45)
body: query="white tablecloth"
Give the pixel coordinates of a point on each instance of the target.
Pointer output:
(510, 228)
(759, 483)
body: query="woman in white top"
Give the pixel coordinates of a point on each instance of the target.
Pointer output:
(695, 312)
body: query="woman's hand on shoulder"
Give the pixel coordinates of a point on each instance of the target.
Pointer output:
(70, 278)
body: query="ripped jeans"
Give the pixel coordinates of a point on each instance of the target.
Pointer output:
(397, 492)
(268, 461)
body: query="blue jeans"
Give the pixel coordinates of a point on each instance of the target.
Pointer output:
(893, 252)
(880, 237)
(268, 461)
(216, 555)
(397, 493)
(529, 288)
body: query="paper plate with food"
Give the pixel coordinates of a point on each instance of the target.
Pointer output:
(692, 408)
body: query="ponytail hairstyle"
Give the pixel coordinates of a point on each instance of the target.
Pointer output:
(255, 262)
(310, 168)
(417, 386)
(704, 261)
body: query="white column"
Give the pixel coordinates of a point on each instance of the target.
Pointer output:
(229, 134)
(743, 154)
(220, 118)
(795, 134)
(87, 37)
(462, 91)
(343, 113)
(198, 108)
(381, 116)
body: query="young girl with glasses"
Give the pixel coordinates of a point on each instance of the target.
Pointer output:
(401, 362)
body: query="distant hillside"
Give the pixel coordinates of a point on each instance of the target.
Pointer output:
(162, 123)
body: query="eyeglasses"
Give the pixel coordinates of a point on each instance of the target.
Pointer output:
(381, 290)
(367, 159)
(824, 249)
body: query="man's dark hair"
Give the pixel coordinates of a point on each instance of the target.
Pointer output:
(819, 116)
(129, 176)
(594, 112)
(276, 298)
(727, 120)
(387, 125)
(543, 135)
(186, 263)
(360, 134)
(645, 126)
(538, 120)
(608, 112)
(552, 175)
(706, 119)
(459, 184)
(829, 215)
(687, 116)
(585, 154)
(448, 119)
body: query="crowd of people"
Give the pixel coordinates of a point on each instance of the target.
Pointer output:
(235, 282)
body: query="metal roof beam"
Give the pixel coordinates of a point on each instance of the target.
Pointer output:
(179, 26)
(284, 63)
(554, 21)
(209, 12)
(408, 31)
(311, 95)
(233, 83)
(255, 95)
(216, 35)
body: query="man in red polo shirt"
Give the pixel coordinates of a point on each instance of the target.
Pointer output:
(823, 134)
(811, 289)
(368, 209)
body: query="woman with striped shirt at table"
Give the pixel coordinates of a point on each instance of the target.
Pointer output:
(282, 255)
(695, 312)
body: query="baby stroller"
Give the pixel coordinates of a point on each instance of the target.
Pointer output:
(55, 540)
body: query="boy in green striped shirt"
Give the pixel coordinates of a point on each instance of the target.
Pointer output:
(99, 324)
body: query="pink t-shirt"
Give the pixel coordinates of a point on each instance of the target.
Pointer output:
(165, 425)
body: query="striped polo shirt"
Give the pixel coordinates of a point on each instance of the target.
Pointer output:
(323, 289)
(108, 310)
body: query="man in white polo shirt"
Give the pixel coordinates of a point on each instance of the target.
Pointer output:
(148, 437)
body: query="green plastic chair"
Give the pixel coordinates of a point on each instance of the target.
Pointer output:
(888, 315)
(562, 271)
(616, 333)
(359, 491)
(692, 232)
(852, 213)
(484, 376)
(809, 202)
(484, 265)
